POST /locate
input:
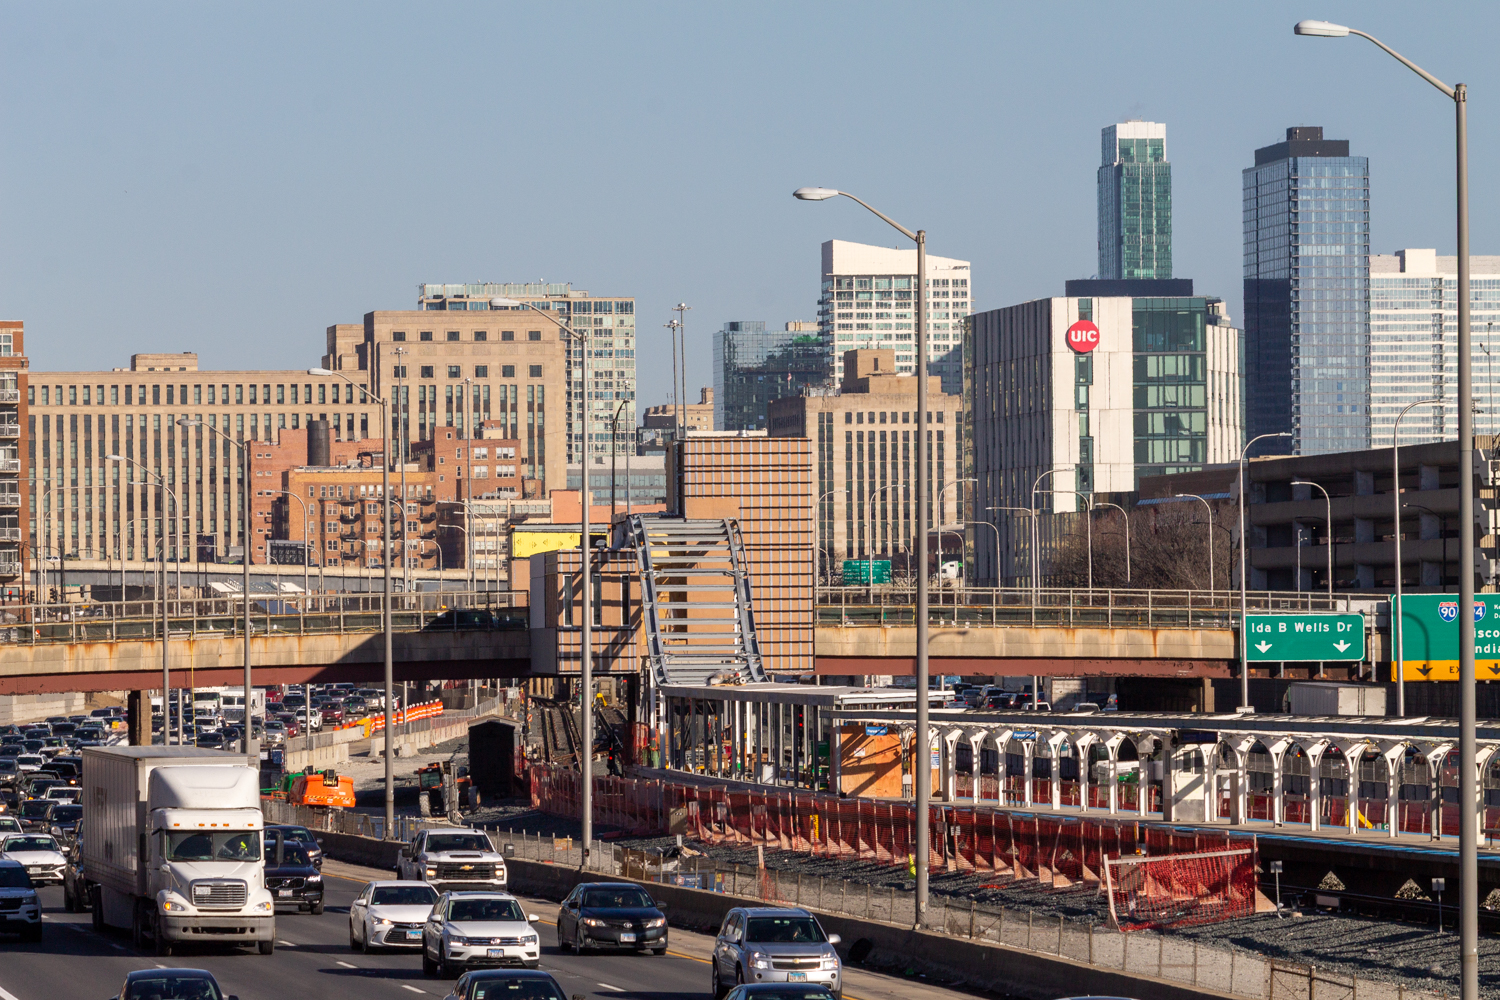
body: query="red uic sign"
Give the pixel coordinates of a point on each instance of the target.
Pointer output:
(1083, 336)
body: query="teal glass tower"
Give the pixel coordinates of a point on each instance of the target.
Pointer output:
(1135, 202)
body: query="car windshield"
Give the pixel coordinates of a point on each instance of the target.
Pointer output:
(784, 930)
(28, 844)
(299, 834)
(484, 910)
(8, 825)
(36, 808)
(168, 986)
(403, 895)
(458, 842)
(14, 877)
(516, 989)
(67, 813)
(202, 845)
(790, 993)
(612, 899)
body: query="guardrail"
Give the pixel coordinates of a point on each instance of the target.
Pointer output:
(853, 607)
(42, 624)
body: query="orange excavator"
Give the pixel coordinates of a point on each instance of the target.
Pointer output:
(327, 789)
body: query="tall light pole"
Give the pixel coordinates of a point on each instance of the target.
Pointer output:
(922, 785)
(586, 669)
(870, 529)
(306, 540)
(674, 326)
(402, 445)
(681, 309)
(247, 742)
(1245, 705)
(1126, 519)
(1328, 507)
(1019, 510)
(1089, 521)
(385, 604)
(166, 633)
(939, 510)
(1209, 508)
(1396, 629)
(1468, 795)
(1036, 533)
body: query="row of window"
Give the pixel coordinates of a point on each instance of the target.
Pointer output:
(456, 371)
(203, 395)
(453, 336)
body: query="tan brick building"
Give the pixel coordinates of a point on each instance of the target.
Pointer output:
(863, 458)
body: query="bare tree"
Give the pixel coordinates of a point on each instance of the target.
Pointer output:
(1169, 550)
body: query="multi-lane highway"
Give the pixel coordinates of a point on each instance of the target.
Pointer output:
(313, 960)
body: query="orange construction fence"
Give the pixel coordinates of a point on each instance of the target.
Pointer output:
(376, 723)
(1061, 851)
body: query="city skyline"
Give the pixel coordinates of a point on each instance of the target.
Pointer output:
(211, 167)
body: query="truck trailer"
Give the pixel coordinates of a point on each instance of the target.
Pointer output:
(174, 846)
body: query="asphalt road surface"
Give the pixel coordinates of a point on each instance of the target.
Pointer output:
(313, 961)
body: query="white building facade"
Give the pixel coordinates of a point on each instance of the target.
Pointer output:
(1149, 386)
(868, 302)
(1414, 344)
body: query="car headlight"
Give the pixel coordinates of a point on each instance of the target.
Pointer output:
(382, 922)
(457, 939)
(759, 961)
(265, 907)
(592, 922)
(830, 961)
(315, 878)
(657, 922)
(529, 939)
(431, 872)
(172, 906)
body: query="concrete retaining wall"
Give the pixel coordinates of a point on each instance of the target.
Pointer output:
(319, 758)
(410, 744)
(941, 957)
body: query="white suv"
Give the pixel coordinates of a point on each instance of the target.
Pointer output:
(468, 929)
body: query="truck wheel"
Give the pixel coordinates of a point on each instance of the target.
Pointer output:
(98, 910)
(163, 946)
(424, 803)
(69, 902)
(138, 928)
(266, 947)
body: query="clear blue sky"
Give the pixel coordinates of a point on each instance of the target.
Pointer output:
(232, 179)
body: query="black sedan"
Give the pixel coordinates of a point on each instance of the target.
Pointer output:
(171, 984)
(301, 836)
(612, 915)
(291, 876)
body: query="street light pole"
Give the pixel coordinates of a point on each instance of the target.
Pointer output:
(1468, 795)
(586, 668)
(870, 531)
(1245, 705)
(385, 604)
(1036, 534)
(1126, 518)
(1019, 510)
(1210, 510)
(1396, 623)
(922, 785)
(817, 540)
(1328, 507)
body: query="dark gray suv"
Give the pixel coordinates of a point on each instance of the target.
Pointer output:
(774, 945)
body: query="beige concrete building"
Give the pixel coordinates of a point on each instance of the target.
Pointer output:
(699, 415)
(863, 459)
(85, 506)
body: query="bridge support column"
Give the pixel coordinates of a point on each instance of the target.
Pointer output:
(1029, 746)
(835, 754)
(1315, 783)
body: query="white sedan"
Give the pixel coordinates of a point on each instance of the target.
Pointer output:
(471, 929)
(390, 915)
(40, 854)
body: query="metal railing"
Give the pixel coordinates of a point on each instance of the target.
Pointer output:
(1066, 607)
(316, 614)
(1163, 956)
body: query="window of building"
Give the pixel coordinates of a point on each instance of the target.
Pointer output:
(507, 335)
(239, 393)
(506, 371)
(425, 371)
(454, 371)
(452, 336)
(481, 335)
(155, 396)
(399, 336)
(533, 335)
(481, 371)
(398, 371)
(425, 336)
(535, 371)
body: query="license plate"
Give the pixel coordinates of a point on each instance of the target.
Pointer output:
(413, 935)
(283, 892)
(497, 953)
(627, 937)
(796, 977)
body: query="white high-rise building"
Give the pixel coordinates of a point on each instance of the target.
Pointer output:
(868, 303)
(1414, 344)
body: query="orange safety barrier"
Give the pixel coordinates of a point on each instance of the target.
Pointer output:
(376, 723)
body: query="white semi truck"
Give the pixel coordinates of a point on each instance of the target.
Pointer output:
(173, 842)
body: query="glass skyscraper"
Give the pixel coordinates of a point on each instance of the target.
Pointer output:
(1307, 282)
(1135, 202)
(753, 365)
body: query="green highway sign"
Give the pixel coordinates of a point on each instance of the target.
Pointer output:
(1306, 638)
(1429, 637)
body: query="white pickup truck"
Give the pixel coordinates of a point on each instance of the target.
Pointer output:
(453, 859)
